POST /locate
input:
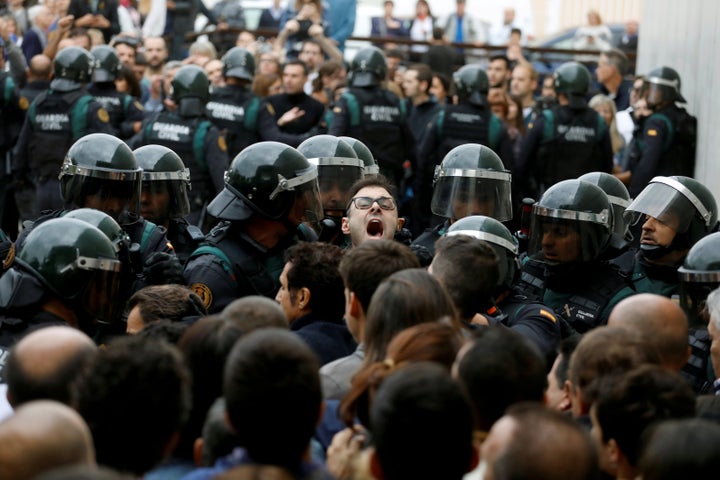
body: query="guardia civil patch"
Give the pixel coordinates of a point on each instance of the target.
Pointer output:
(652, 132)
(203, 291)
(547, 314)
(23, 103)
(271, 109)
(222, 144)
(103, 115)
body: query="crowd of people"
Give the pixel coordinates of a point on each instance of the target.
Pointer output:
(232, 259)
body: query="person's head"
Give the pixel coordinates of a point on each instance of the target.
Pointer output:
(523, 82)
(602, 353)
(557, 395)
(100, 171)
(372, 212)
(713, 326)
(44, 363)
(294, 75)
(605, 106)
(531, 441)
(41, 436)
(213, 69)
(548, 87)
(311, 282)
(498, 100)
(253, 312)
(265, 370)
(572, 222)
(472, 180)
(662, 88)
(571, 82)
(420, 412)
(498, 368)
(165, 185)
(267, 84)
(681, 449)
(190, 90)
(422, 8)
(417, 80)
(268, 63)
(218, 438)
(369, 67)
(472, 84)
(156, 52)
(311, 53)
(272, 181)
(39, 68)
(388, 6)
(127, 82)
(676, 213)
(153, 303)
(612, 65)
(134, 385)
(498, 71)
(40, 16)
(72, 68)
(330, 74)
(698, 278)
(661, 323)
(126, 48)
(627, 406)
(460, 7)
(468, 269)
(619, 198)
(440, 87)
(593, 17)
(201, 52)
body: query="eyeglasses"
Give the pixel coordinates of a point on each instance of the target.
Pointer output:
(363, 203)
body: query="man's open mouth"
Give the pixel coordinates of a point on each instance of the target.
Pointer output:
(375, 228)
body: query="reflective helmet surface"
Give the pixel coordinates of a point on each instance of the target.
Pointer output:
(498, 236)
(100, 171)
(239, 63)
(272, 180)
(105, 223)
(572, 222)
(369, 67)
(72, 67)
(371, 168)
(75, 261)
(619, 198)
(164, 173)
(108, 64)
(338, 168)
(699, 275)
(471, 180)
(663, 84)
(573, 79)
(472, 82)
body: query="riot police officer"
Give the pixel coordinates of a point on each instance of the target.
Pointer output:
(55, 120)
(164, 197)
(126, 113)
(371, 168)
(234, 108)
(270, 189)
(668, 134)
(571, 227)
(66, 274)
(187, 131)
(571, 130)
(470, 121)
(512, 308)
(338, 169)
(471, 180)
(375, 116)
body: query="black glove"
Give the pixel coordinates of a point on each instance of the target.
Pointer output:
(163, 268)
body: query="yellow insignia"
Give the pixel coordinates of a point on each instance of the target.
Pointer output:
(271, 109)
(547, 314)
(9, 257)
(203, 292)
(23, 103)
(170, 245)
(337, 110)
(103, 115)
(652, 132)
(138, 105)
(222, 144)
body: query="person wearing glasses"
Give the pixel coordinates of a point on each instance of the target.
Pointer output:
(372, 212)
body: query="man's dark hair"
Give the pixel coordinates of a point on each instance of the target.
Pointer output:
(515, 30)
(267, 369)
(304, 66)
(424, 74)
(565, 350)
(80, 32)
(395, 53)
(468, 269)
(315, 267)
(445, 80)
(166, 302)
(617, 59)
(628, 405)
(502, 57)
(253, 312)
(422, 424)
(379, 181)
(134, 397)
(219, 439)
(438, 33)
(164, 330)
(501, 368)
(312, 42)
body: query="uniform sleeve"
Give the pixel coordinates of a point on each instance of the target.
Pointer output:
(339, 124)
(98, 119)
(216, 157)
(606, 152)
(207, 277)
(158, 242)
(426, 163)
(538, 324)
(20, 167)
(269, 130)
(654, 134)
(505, 150)
(134, 113)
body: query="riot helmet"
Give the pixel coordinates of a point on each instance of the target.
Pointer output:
(108, 64)
(338, 169)
(239, 63)
(662, 85)
(619, 198)
(272, 180)
(369, 68)
(105, 223)
(506, 246)
(100, 171)
(78, 263)
(165, 184)
(190, 90)
(371, 168)
(699, 275)
(73, 67)
(573, 79)
(681, 203)
(471, 180)
(571, 223)
(471, 82)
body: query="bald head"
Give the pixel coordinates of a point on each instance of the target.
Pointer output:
(41, 436)
(660, 321)
(44, 364)
(253, 312)
(40, 68)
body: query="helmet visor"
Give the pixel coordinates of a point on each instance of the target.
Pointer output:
(101, 300)
(693, 295)
(165, 195)
(335, 177)
(564, 236)
(461, 193)
(307, 207)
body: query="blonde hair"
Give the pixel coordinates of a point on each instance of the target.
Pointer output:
(616, 139)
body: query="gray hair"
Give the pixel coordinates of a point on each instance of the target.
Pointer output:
(713, 306)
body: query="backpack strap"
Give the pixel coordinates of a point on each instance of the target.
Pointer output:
(199, 143)
(78, 117)
(353, 108)
(549, 126)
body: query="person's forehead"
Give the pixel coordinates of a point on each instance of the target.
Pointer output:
(373, 192)
(311, 48)
(293, 69)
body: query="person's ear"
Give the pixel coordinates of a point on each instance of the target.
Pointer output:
(197, 451)
(355, 306)
(345, 226)
(474, 459)
(303, 298)
(400, 223)
(375, 467)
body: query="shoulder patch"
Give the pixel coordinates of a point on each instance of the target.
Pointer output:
(138, 105)
(222, 144)
(23, 103)
(337, 110)
(547, 314)
(203, 291)
(103, 116)
(9, 258)
(271, 109)
(652, 132)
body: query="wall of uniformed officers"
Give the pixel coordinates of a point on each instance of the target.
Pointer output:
(539, 221)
